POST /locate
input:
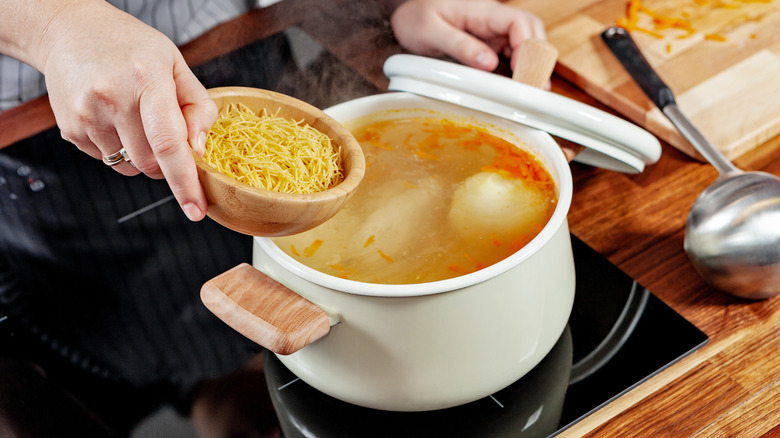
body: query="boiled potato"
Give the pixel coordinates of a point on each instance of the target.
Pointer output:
(490, 206)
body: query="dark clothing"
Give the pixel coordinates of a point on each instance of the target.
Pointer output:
(118, 300)
(119, 303)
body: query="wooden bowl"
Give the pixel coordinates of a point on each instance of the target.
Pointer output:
(258, 212)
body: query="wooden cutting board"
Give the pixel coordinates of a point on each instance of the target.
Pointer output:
(729, 89)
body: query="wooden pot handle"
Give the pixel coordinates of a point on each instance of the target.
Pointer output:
(534, 64)
(264, 310)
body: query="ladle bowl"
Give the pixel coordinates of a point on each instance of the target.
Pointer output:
(732, 235)
(258, 212)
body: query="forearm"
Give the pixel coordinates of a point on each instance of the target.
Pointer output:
(25, 26)
(20, 25)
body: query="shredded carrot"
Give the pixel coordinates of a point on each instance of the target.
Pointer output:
(380, 145)
(386, 257)
(680, 16)
(425, 155)
(517, 246)
(632, 11)
(308, 252)
(451, 130)
(649, 32)
(495, 241)
(369, 241)
(714, 37)
(664, 22)
(514, 162)
(337, 267)
(294, 251)
(631, 21)
(430, 142)
(457, 269)
(477, 264)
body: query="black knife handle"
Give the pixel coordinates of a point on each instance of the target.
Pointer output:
(626, 51)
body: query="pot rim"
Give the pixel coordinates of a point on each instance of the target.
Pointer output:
(557, 165)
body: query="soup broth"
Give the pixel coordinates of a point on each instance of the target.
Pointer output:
(439, 199)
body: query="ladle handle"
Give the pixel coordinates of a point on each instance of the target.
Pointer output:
(626, 51)
(534, 63)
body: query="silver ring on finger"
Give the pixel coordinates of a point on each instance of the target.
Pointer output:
(118, 157)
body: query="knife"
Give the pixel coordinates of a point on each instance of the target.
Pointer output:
(626, 51)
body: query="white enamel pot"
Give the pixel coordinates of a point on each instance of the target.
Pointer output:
(434, 345)
(421, 346)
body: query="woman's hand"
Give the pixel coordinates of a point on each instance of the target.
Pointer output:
(471, 31)
(116, 83)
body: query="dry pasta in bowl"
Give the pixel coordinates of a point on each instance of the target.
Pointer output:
(271, 152)
(275, 165)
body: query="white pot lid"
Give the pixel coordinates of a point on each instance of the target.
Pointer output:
(611, 142)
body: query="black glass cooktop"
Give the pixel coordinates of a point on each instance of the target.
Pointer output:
(619, 334)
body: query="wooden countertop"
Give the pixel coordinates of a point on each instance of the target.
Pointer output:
(730, 387)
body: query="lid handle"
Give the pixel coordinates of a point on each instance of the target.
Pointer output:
(534, 63)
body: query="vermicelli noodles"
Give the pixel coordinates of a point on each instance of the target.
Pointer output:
(272, 152)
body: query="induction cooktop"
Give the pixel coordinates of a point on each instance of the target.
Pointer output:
(619, 335)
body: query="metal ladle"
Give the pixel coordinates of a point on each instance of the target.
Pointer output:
(732, 235)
